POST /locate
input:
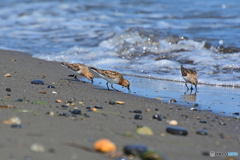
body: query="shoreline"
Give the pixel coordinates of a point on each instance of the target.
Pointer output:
(113, 121)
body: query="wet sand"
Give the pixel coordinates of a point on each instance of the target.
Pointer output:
(114, 122)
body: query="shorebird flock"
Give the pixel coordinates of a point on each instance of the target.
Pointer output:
(113, 77)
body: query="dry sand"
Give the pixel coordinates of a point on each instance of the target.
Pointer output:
(114, 122)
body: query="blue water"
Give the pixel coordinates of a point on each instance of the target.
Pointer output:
(147, 38)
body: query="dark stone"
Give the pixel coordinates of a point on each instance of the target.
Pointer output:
(195, 105)
(156, 109)
(19, 100)
(64, 114)
(205, 153)
(135, 149)
(138, 117)
(98, 107)
(236, 113)
(8, 94)
(8, 89)
(64, 106)
(37, 81)
(50, 86)
(158, 117)
(136, 111)
(176, 130)
(203, 121)
(202, 132)
(112, 102)
(76, 111)
(16, 126)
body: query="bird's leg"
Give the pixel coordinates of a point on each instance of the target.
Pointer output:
(186, 86)
(107, 85)
(114, 88)
(195, 88)
(191, 88)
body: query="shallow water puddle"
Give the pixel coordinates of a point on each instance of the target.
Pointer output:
(220, 100)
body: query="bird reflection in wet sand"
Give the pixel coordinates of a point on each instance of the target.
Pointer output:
(190, 76)
(189, 97)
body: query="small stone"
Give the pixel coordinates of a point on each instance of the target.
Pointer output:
(16, 126)
(202, 132)
(120, 102)
(43, 92)
(156, 109)
(121, 158)
(157, 116)
(37, 81)
(147, 110)
(98, 107)
(137, 111)
(54, 92)
(205, 153)
(221, 123)
(8, 89)
(173, 122)
(203, 121)
(138, 117)
(7, 75)
(135, 149)
(236, 113)
(144, 131)
(76, 111)
(64, 114)
(159, 98)
(152, 155)
(194, 109)
(58, 101)
(50, 113)
(176, 130)
(64, 106)
(195, 105)
(173, 100)
(19, 100)
(50, 86)
(112, 102)
(37, 147)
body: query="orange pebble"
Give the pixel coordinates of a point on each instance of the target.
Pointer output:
(104, 145)
(58, 101)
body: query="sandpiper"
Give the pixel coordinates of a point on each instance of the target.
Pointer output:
(79, 69)
(190, 76)
(112, 77)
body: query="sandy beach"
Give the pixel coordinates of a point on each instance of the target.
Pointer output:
(114, 122)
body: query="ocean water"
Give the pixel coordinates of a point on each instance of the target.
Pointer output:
(144, 38)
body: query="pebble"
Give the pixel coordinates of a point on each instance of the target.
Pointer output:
(144, 131)
(195, 105)
(236, 113)
(157, 116)
(177, 130)
(202, 132)
(64, 114)
(152, 155)
(37, 147)
(37, 81)
(173, 122)
(98, 107)
(76, 111)
(147, 110)
(50, 86)
(8, 89)
(43, 92)
(138, 117)
(194, 109)
(203, 121)
(16, 126)
(64, 106)
(135, 149)
(112, 102)
(19, 100)
(221, 123)
(136, 111)
(173, 100)
(7, 75)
